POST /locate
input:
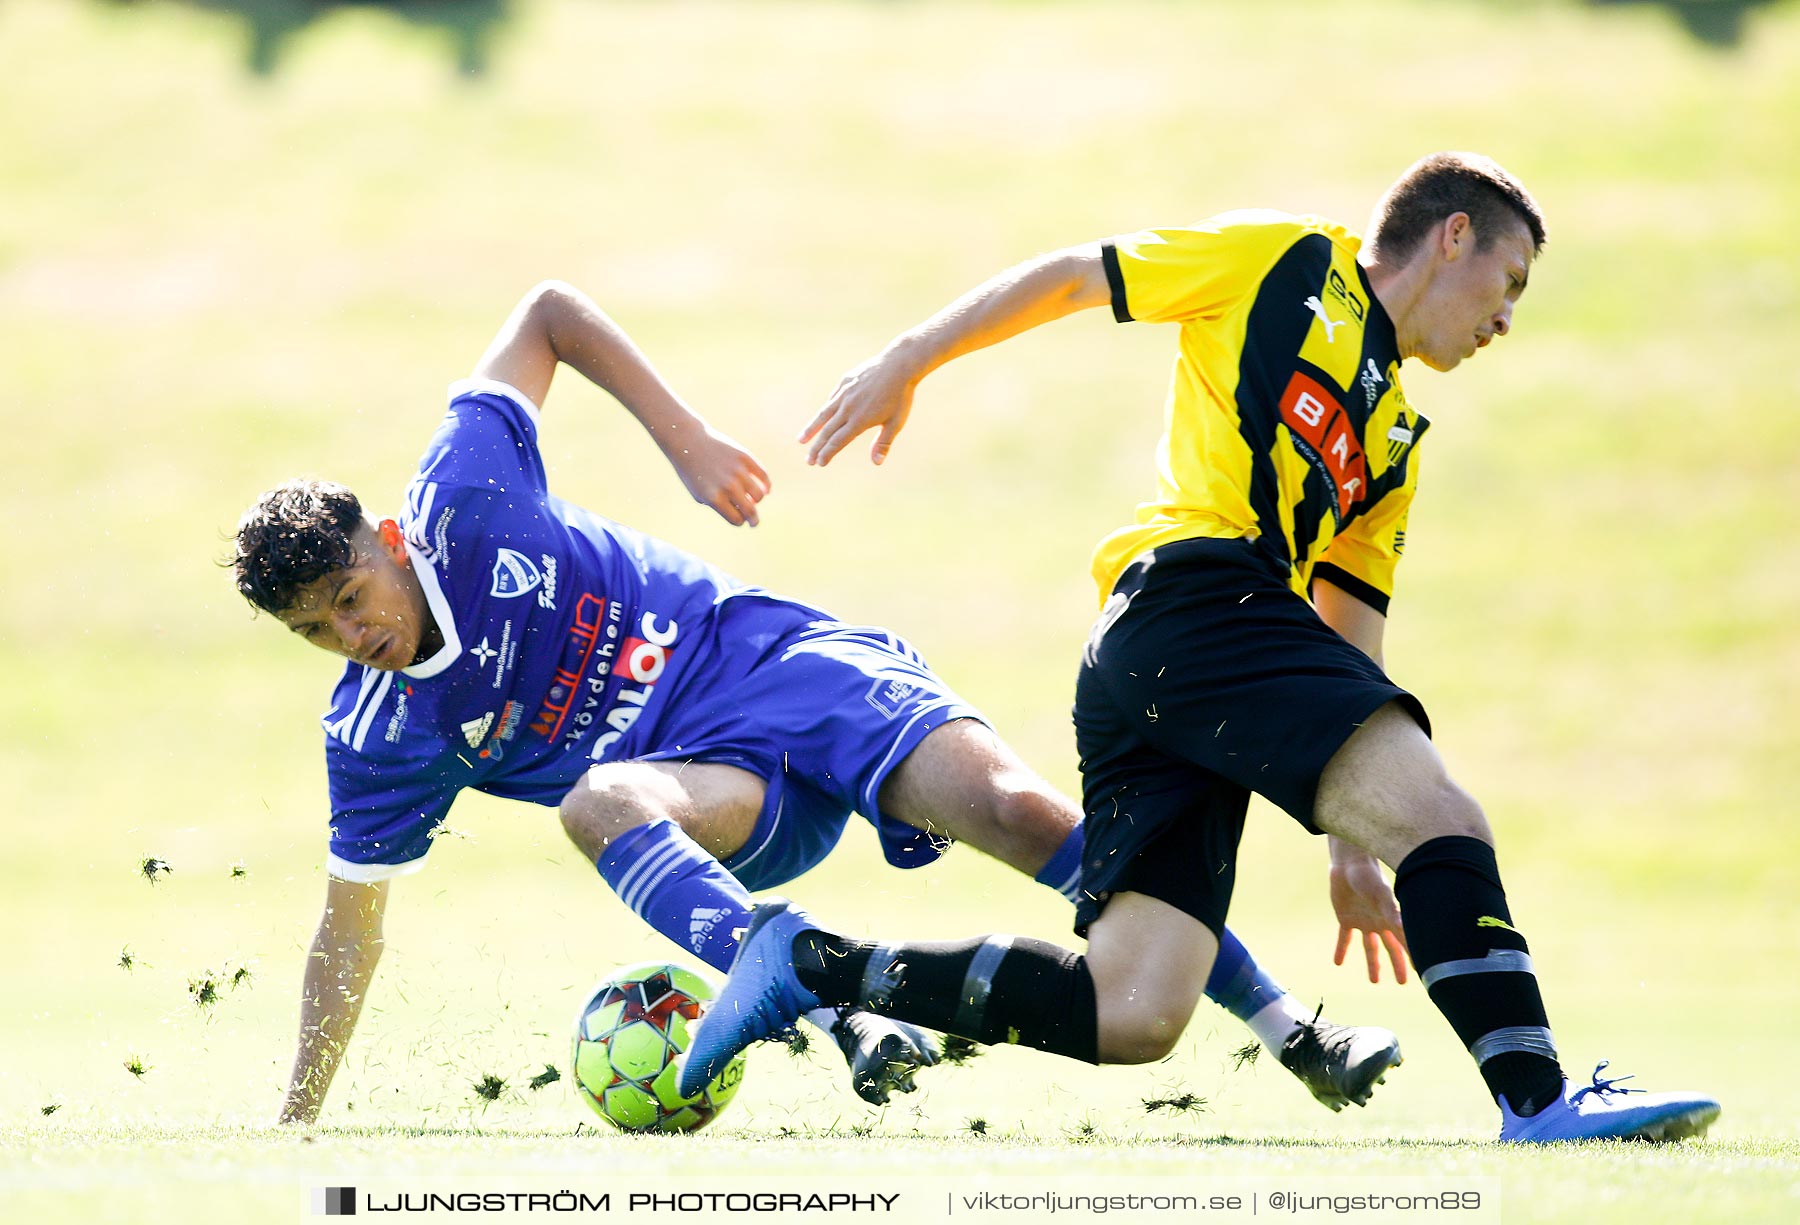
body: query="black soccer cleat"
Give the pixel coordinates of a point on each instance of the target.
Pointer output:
(883, 1053)
(1340, 1064)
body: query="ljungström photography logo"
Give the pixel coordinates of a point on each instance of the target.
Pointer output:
(334, 1201)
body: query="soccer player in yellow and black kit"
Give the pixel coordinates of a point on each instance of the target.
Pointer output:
(1239, 649)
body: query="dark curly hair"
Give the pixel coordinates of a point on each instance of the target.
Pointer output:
(293, 535)
(1434, 187)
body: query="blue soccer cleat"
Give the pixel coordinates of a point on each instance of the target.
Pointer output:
(762, 997)
(1601, 1112)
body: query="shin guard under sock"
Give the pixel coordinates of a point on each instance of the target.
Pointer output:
(993, 989)
(1477, 967)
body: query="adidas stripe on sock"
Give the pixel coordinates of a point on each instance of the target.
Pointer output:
(677, 888)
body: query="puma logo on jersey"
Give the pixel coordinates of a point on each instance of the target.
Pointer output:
(1331, 325)
(701, 923)
(1488, 920)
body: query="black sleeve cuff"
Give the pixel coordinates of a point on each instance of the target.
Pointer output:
(1115, 281)
(1349, 584)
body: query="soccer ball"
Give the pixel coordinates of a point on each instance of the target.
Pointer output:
(626, 1039)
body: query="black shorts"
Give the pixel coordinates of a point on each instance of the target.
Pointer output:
(1206, 678)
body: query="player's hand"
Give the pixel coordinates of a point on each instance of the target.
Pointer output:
(1364, 903)
(721, 474)
(878, 392)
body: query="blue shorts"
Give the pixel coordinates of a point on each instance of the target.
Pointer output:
(823, 716)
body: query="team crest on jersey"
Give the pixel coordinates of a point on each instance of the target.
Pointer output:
(1399, 438)
(514, 575)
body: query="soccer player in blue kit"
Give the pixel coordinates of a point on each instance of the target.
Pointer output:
(701, 738)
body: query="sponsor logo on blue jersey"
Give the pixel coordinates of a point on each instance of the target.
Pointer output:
(891, 696)
(641, 660)
(396, 725)
(580, 645)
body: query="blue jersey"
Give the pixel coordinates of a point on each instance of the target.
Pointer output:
(568, 640)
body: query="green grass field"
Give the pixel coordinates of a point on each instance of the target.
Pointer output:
(210, 281)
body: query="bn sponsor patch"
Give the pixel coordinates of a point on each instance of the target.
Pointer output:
(1323, 434)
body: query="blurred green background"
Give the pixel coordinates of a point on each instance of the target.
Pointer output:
(229, 257)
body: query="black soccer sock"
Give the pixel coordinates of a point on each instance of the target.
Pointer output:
(993, 989)
(1477, 968)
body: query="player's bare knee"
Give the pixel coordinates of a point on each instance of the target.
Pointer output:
(1138, 1031)
(1145, 1046)
(1467, 817)
(604, 804)
(1452, 812)
(1140, 1016)
(581, 820)
(1442, 811)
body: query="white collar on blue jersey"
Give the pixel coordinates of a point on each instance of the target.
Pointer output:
(440, 611)
(494, 387)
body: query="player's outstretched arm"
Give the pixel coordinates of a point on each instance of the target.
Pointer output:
(880, 391)
(338, 972)
(556, 322)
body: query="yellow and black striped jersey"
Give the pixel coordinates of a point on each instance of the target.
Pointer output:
(1285, 420)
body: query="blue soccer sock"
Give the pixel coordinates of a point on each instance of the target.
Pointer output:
(677, 888)
(1241, 987)
(1063, 872)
